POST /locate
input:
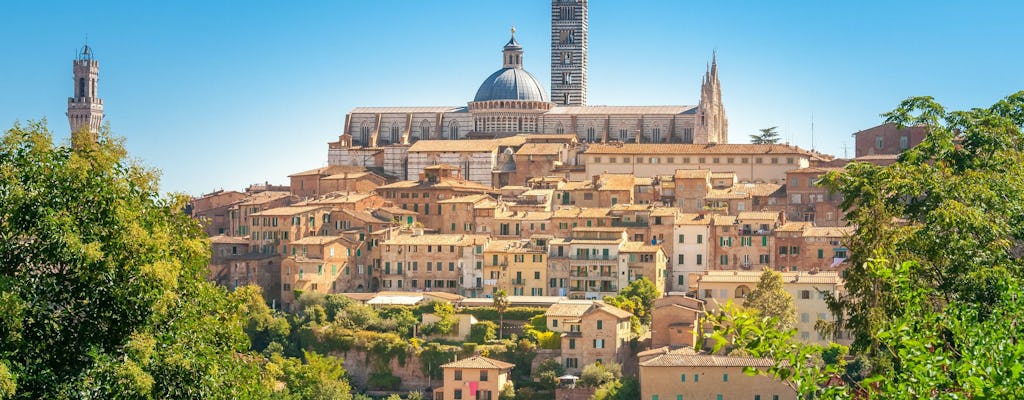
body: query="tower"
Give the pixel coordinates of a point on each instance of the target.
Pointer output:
(711, 124)
(569, 52)
(85, 108)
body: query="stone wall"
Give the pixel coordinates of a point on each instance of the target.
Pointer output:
(412, 376)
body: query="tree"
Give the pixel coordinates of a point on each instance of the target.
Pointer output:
(508, 392)
(445, 313)
(771, 299)
(482, 332)
(597, 374)
(501, 303)
(102, 289)
(320, 377)
(767, 136)
(638, 298)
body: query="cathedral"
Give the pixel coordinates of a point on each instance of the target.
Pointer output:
(512, 101)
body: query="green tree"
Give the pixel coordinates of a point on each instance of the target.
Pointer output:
(508, 392)
(597, 374)
(320, 377)
(771, 299)
(501, 303)
(102, 280)
(638, 298)
(619, 389)
(482, 332)
(767, 136)
(445, 313)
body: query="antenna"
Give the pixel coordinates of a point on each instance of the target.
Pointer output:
(844, 151)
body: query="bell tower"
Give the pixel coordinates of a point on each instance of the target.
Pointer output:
(85, 108)
(569, 52)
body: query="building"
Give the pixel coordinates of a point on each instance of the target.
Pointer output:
(413, 261)
(684, 374)
(474, 378)
(85, 108)
(239, 215)
(213, 209)
(591, 332)
(321, 264)
(333, 178)
(690, 250)
(519, 267)
(804, 247)
(888, 139)
(436, 183)
(808, 290)
(512, 102)
(810, 201)
(676, 321)
(753, 163)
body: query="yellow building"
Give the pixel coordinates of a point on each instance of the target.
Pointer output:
(517, 266)
(684, 374)
(591, 332)
(474, 378)
(320, 264)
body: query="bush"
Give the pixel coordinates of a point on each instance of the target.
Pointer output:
(511, 314)
(539, 323)
(383, 380)
(482, 332)
(597, 374)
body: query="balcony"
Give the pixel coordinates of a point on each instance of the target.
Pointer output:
(578, 274)
(755, 232)
(519, 282)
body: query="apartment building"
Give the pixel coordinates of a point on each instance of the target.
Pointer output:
(413, 261)
(518, 266)
(476, 377)
(321, 264)
(685, 374)
(591, 332)
(436, 183)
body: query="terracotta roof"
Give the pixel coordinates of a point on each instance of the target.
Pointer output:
(434, 239)
(691, 173)
(725, 194)
(316, 240)
(336, 198)
(472, 198)
(682, 359)
(664, 212)
(288, 210)
(692, 219)
(224, 239)
(615, 311)
(263, 197)
(756, 189)
(639, 247)
(444, 183)
(330, 170)
(620, 182)
(466, 146)
(569, 308)
(798, 226)
(721, 220)
(723, 174)
(825, 277)
(540, 149)
(479, 362)
(696, 149)
(832, 231)
(814, 170)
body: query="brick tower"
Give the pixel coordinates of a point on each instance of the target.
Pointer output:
(85, 108)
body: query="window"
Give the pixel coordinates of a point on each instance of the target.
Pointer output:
(700, 239)
(725, 377)
(682, 377)
(458, 374)
(572, 344)
(805, 294)
(457, 394)
(700, 259)
(600, 324)
(878, 142)
(483, 376)
(680, 238)
(696, 377)
(572, 363)
(681, 258)
(598, 343)
(903, 142)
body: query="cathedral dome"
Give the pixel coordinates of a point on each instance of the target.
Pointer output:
(511, 84)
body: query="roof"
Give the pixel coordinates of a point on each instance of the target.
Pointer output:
(395, 300)
(479, 362)
(466, 146)
(831, 231)
(287, 210)
(224, 239)
(570, 308)
(407, 110)
(472, 198)
(606, 110)
(720, 220)
(639, 247)
(540, 149)
(695, 149)
(813, 170)
(794, 226)
(752, 277)
(614, 311)
(689, 359)
(264, 197)
(691, 219)
(691, 173)
(621, 182)
(330, 170)
(319, 240)
(437, 239)
(511, 84)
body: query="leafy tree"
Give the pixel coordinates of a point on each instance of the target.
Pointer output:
(958, 196)
(508, 392)
(261, 325)
(402, 318)
(102, 289)
(445, 313)
(320, 377)
(770, 299)
(619, 389)
(482, 332)
(638, 298)
(335, 303)
(597, 374)
(767, 136)
(548, 372)
(501, 303)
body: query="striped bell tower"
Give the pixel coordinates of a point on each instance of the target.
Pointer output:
(569, 52)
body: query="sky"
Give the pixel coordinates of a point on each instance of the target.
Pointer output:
(223, 94)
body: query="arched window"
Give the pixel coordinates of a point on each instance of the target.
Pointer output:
(591, 134)
(742, 291)
(424, 130)
(364, 135)
(656, 134)
(624, 134)
(453, 130)
(396, 133)
(559, 129)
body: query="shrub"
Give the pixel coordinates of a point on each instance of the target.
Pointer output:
(482, 332)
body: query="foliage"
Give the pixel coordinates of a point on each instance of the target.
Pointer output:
(501, 304)
(957, 200)
(770, 299)
(597, 374)
(261, 325)
(445, 313)
(548, 340)
(539, 323)
(508, 392)
(102, 280)
(767, 136)
(357, 316)
(320, 377)
(433, 356)
(638, 298)
(548, 371)
(333, 303)
(400, 319)
(383, 380)
(482, 332)
(619, 389)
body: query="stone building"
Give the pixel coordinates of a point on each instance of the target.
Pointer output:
(319, 264)
(809, 201)
(436, 183)
(213, 210)
(517, 266)
(591, 332)
(675, 321)
(474, 378)
(85, 108)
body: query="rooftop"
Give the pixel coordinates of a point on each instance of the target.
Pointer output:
(479, 362)
(696, 149)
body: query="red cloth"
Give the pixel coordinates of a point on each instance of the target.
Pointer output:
(472, 388)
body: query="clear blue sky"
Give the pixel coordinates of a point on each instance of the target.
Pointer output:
(221, 94)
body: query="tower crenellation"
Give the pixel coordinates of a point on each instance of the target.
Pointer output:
(85, 108)
(569, 52)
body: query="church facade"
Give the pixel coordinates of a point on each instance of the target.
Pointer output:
(511, 101)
